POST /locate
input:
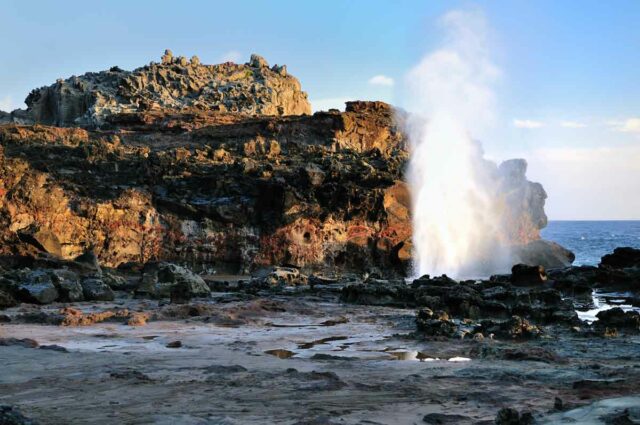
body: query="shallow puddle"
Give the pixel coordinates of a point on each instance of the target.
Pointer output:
(308, 345)
(281, 353)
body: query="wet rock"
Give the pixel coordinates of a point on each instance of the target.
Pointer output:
(510, 416)
(131, 374)
(68, 285)
(24, 342)
(174, 344)
(518, 353)
(577, 280)
(160, 279)
(94, 289)
(7, 300)
(514, 328)
(11, 415)
(37, 287)
(446, 419)
(54, 347)
(617, 318)
(435, 324)
(621, 258)
(524, 275)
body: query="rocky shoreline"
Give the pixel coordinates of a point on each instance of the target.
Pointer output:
(450, 352)
(186, 243)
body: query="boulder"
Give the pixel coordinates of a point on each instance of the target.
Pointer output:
(621, 258)
(524, 275)
(435, 324)
(11, 415)
(541, 252)
(94, 289)
(6, 300)
(37, 287)
(279, 276)
(514, 328)
(159, 279)
(115, 282)
(618, 319)
(68, 285)
(511, 416)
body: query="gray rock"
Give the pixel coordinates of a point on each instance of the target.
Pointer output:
(159, 279)
(94, 289)
(6, 300)
(279, 276)
(68, 285)
(37, 287)
(175, 84)
(10, 415)
(258, 61)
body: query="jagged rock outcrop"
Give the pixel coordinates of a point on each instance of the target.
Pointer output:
(220, 166)
(176, 83)
(307, 191)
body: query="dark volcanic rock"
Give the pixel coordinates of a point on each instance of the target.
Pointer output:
(618, 319)
(11, 415)
(523, 275)
(510, 416)
(621, 258)
(37, 287)
(6, 300)
(94, 289)
(68, 285)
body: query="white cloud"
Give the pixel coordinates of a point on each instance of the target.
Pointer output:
(530, 124)
(630, 125)
(329, 103)
(381, 80)
(572, 124)
(588, 183)
(7, 105)
(231, 56)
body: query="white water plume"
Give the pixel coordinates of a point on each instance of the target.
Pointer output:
(456, 213)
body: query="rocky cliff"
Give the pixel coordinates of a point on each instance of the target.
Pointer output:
(219, 182)
(175, 83)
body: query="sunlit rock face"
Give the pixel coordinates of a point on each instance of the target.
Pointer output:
(217, 190)
(175, 83)
(233, 190)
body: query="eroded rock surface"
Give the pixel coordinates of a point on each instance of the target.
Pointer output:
(222, 167)
(176, 83)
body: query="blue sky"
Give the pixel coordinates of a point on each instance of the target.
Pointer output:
(568, 98)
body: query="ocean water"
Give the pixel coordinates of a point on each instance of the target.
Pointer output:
(590, 240)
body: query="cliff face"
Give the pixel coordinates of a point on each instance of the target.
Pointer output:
(176, 83)
(216, 188)
(308, 191)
